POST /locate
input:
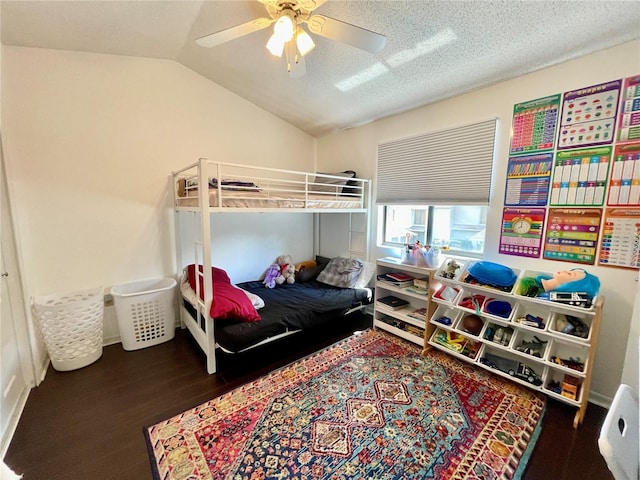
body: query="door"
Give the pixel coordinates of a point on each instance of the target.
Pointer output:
(16, 364)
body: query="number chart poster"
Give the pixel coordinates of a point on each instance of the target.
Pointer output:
(522, 232)
(629, 121)
(589, 116)
(620, 246)
(572, 235)
(534, 125)
(624, 183)
(528, 179)
(580, 177)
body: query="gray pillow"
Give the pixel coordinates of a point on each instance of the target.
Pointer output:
(341, 272)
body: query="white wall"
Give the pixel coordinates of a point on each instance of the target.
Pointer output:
(90, 141)
(357, 149)
(631, 370)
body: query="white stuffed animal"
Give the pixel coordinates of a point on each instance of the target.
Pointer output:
(287, 270)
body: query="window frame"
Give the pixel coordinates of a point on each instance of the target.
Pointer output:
(428, 229)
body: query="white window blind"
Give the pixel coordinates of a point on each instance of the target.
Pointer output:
(447, 167)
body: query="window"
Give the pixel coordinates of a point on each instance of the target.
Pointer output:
(461, 228)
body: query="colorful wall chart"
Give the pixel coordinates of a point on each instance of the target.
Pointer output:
(572, 235)
(580, 177)
(534, 125)
(522, 232)
(620, 245)
(528, 178)
(629, 121)
(624, 182)
(589, 115)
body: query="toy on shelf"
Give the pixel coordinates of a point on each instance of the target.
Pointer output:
(451, 268)
(493, 275)
(472, 302)
(497, 308)
(512, 367)
(570, 387)
(499, 335)
(554, 386)
(572, 326)
(447, 293)
(457, 343)
(572, 287)
(472, 324)
(573, 363)
(533, 347)
(531, 321)
(444, 320)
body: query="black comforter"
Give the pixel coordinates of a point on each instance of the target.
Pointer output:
(287, 307)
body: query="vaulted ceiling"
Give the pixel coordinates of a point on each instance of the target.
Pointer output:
(434, 49)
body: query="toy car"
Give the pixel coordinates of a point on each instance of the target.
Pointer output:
(512, 367)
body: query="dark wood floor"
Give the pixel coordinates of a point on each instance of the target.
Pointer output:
(88, 424)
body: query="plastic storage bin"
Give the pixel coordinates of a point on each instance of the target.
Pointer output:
(71, 325)
(146, 312)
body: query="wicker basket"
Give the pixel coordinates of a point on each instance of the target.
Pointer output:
(71, 325)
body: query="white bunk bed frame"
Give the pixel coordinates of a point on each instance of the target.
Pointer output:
(295, 192)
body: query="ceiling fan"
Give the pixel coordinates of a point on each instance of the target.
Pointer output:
(289, 36)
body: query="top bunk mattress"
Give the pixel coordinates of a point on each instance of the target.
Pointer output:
(236, 199)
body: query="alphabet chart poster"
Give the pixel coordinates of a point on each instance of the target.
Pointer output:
(629, 120)
(534, 125)
(522, 232)
(580, 177)
(620, 245)
(589, 115)
(528, 178)
(572, 235)
(624, 184)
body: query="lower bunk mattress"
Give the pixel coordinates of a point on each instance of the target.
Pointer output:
(287, 308)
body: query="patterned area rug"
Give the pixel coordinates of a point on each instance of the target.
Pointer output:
(368, 407)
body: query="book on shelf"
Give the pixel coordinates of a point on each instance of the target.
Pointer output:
(396, 283)
(400, 276)
(419, 291)
(392, 302)
(420, 314)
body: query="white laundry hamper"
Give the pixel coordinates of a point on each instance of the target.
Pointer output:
(71, 324)
(146, 312)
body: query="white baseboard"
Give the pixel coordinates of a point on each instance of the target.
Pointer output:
(600, 400)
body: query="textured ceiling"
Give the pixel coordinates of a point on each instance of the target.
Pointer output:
(434, 50)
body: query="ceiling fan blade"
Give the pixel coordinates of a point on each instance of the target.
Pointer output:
(346, 33)
(234, 32)
(310, 5)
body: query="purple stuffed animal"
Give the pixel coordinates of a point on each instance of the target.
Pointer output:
(270, 277)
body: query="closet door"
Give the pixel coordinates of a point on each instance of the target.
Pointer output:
(16, 364)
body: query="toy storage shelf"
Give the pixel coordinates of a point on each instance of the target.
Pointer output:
(399, 321)
(544, 345)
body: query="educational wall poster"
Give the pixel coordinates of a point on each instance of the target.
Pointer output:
(572, 234)
(528, 178)
(522, 232)
(534, 125)
(589, 116)
(624, 181)
(580, 177)
(629, 120)
(620, 246)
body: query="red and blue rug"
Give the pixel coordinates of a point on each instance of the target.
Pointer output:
(368, 407)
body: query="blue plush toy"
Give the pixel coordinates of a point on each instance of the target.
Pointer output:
(273, 272)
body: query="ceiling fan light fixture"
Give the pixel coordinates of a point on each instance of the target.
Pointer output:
(304, 41)
(284, 27)
(275, 45)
